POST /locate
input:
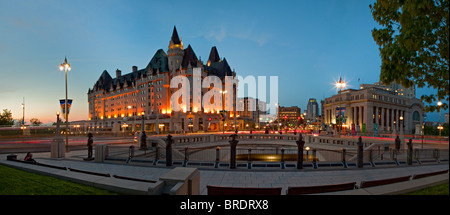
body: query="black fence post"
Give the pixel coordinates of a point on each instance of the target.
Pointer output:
(360, 153)
(186, 156)
(233, 143)
(410, 152)
(156, 155)
(282, 158)
(344, 162)
(314, 159)
(300, 143)
(143, 145)
(169, 142)
(397, 143)
(216, 165)
(249, 158)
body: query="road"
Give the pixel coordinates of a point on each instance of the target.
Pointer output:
(42, 144)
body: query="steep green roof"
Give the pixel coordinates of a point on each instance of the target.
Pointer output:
(159, 61)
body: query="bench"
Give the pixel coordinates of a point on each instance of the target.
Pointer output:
(373, 183)
(417, 176)
(320, 189)
(220, 190)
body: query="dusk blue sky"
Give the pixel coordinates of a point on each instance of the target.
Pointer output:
(307, 44)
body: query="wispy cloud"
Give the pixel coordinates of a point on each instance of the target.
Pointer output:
(248, 33)
(216, 34)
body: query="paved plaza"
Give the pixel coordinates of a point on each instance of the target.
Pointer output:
(221, 177)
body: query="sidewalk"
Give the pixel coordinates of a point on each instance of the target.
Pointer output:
(223, 177)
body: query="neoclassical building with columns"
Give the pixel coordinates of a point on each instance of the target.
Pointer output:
(374, 109)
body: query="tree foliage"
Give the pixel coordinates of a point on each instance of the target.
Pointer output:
(35, 122)
(6, 118)
(413, 41)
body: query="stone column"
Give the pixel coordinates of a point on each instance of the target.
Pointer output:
(368, 119)
(388, 122)
(382, 127)
(376, 115)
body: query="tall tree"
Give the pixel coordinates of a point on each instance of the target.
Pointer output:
(6, 118)
(413, 44)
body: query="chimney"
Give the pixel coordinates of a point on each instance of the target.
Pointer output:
(118, 73)
(134, 68)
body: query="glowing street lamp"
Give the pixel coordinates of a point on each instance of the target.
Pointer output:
(66, 67)
(307, 152)
(340, 84)
(223, 110)
(440, 126)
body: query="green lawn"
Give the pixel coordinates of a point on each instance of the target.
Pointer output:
(436, 190)
(18, 182)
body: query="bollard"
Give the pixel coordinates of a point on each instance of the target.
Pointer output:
(372, 163)
(169, 142)
(344, 162)
(397, 143)
(130, 153)
(282, 158)
(394, 156)
(186, 158)
(300, 143)
(156, 155)
(410, 152)
(437, 155)
(143, 145)
(360, 155)
(216, 165)
(417, 155)
(233, 143)
(314, 160)
(249, 166)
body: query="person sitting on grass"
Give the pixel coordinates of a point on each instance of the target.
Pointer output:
(29, 158)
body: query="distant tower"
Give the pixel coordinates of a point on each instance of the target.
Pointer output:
(313, 109)
(175, 52)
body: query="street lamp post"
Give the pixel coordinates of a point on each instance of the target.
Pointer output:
(439, 126)
(223, 110)
(340, 85)
(23, 117)
(66, 67)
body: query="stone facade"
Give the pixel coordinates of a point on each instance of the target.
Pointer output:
(379, 111)
(125, 102)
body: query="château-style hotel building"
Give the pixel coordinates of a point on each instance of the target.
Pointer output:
(143, 95)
